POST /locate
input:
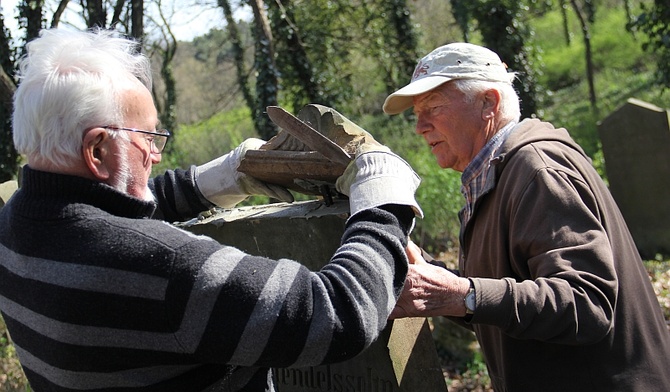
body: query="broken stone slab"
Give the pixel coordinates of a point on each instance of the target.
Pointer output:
(287, 161)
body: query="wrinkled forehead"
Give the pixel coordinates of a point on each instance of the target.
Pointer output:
(441, 94)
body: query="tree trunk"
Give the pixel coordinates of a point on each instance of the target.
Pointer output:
(7, 89)
(238, 54)
(95, 14)
(137, 19)
(403, 40)
(586, 34)
(293, 55)
(31, 13)
(55, 20)
(118, 8)
(504, 33)
(266, 82)
(9, 158)
(566, 27)
(460, 9)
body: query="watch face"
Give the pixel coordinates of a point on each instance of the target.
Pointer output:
(470, 302)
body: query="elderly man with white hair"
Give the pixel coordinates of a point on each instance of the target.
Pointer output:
(99, 297)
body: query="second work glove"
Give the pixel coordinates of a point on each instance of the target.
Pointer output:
(377, 176)
(221, 183)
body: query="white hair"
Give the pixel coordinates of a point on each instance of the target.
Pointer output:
(71, 81)
(510, 109)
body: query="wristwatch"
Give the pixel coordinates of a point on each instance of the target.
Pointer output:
(470, 300)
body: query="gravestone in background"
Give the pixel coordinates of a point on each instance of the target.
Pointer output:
(636, 147)
(403, 359)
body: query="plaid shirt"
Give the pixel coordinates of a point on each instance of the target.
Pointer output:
(477, 178)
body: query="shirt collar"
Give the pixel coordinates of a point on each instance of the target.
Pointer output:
(482, 159)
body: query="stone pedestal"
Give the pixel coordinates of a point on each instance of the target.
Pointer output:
(403, 359)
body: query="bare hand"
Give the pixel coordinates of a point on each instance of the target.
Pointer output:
(430, 290)
(414, 253)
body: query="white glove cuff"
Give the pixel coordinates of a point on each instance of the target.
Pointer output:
(217, 181)
(383, 178)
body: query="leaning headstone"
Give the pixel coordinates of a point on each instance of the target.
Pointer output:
(403, 359)
(636, 144)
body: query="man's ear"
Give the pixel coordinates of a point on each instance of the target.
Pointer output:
(96, 148)
(491, 104)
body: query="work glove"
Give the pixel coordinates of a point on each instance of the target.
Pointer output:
(377, 176)
(221, 183)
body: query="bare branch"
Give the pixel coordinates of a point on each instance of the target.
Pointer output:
(55, 20)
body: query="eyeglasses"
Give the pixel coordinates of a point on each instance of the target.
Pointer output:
(157, 142)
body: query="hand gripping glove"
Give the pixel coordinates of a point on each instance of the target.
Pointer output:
(376, 177)
(221, 183)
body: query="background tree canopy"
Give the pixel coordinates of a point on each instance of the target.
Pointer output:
(577, 61)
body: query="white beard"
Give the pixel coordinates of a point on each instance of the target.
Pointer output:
(123, 179)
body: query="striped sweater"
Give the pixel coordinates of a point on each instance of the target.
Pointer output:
(97, 296)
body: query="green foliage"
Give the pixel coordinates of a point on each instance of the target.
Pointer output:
(394, 47)
(209, 139)
(622, 73)
(659, 271)
(477, 373)
(440, 198)
(570, 109)
(563, 63)
(206, 74)
(312, 47)
(623, 70)
(504, 28)
(655, 22)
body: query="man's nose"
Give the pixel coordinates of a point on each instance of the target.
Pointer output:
(422, 126)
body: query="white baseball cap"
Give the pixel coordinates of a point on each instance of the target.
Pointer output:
(453, 61)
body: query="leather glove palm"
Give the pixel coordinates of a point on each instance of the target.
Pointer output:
(221, 183)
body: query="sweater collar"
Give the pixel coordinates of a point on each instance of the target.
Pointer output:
(38, 185)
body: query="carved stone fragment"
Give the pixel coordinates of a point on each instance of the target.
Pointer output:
(287, 161)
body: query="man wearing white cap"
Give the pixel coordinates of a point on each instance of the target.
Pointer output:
(549, 277)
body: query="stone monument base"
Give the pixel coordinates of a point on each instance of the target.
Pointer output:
(403, 359)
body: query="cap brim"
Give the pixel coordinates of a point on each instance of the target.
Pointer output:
(403, 99)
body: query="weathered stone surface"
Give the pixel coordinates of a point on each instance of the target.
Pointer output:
(308, 232)
(636, 145)
(403, 359)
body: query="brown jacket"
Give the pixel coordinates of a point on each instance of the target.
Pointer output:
(563, 300)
